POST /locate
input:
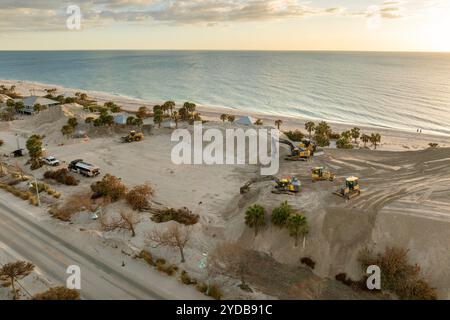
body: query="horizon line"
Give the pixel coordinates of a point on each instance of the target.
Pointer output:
(227, 50)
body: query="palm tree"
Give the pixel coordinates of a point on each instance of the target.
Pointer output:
(375, 138)
(355, 133)
(278, 123)
(310, 127)
(255, 217)
(223, 117)
(258, 122)
(297, 226)
(231, 118)
(158, 117)
(323, 129)
(176, 117)
(365, 138)
(169, 105)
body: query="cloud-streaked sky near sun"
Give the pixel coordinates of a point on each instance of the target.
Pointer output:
(364, 25)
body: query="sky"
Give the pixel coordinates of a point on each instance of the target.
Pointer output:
(349, 25)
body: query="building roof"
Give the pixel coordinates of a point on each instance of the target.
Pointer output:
(246, 120)
(33, 100)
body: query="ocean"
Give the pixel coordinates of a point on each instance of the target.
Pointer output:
(393, 90)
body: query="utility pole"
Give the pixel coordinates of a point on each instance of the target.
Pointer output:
(37, 191)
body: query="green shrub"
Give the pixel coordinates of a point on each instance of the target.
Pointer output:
(147, 257)
(344, 143)
(186, 279)
(296, 135)
(214, 292)
(183, 216)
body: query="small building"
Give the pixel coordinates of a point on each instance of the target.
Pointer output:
(246, 121)
(121, 118)
(31, 101)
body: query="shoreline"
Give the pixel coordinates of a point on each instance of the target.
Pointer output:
(393, 139)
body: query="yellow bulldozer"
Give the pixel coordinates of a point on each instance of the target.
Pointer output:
(133, 136)
(297, 153)
(351, 188)
(287, 186)
(320, 174)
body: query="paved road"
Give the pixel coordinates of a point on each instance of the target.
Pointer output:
(36, 242)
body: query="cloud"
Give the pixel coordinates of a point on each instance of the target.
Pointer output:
(45, 15)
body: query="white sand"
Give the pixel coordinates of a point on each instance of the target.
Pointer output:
(405, 202)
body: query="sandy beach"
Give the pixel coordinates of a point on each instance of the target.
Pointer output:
(404, 202)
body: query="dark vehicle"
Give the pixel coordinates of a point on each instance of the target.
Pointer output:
(83, 168)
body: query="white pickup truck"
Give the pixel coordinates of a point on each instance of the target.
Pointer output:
(51, 161)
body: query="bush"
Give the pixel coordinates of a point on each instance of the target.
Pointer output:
(281, 214)
(137, 197)
(58, 293)
(62, 176)
(214, 292)
(186, 279)
(202, 287)
(147, 257)
(432, 145)
(76, 203)
(110, 186)
(183, 216)
(398, 275)
(334, 136)
(321, 140)
(296, 135)
(344, 143)
(308, 262)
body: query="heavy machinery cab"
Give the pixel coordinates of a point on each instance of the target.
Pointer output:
(352, 183)
(318, 171)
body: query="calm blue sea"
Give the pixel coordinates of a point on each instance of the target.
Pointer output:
(396, 90)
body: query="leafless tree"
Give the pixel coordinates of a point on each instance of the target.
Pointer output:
(14, 271)
(126, 221)
(175, 237)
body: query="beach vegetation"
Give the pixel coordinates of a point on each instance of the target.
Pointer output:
(75, 203)
(34, 147)
(281, 214)
(142, 112)
(255, 217)
(398, 275)
(295, 135)
(365, 139)
(308, 262)
(183, 216)
(89, 120)
(110, 186)
(231, 118)
(12, 272)
(344, 142)
(169, 106)
(375, 139)
(431, 145)
(127, 220)
(297, 226)
(223, 117)
(158, 117)
(258, 122)
(310, 127)
(278, 123)
(176, 118)
(355, 133)
(58, 293)
(174, 237)
(62, 176)
(138, 197)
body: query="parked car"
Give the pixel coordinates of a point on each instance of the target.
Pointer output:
(83, 168)
(51, 161)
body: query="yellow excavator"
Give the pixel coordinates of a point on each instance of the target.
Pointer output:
(297, 153)
(320, 174)
(288, 186)
(308, 145)
(133, 136)
(350, 190)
